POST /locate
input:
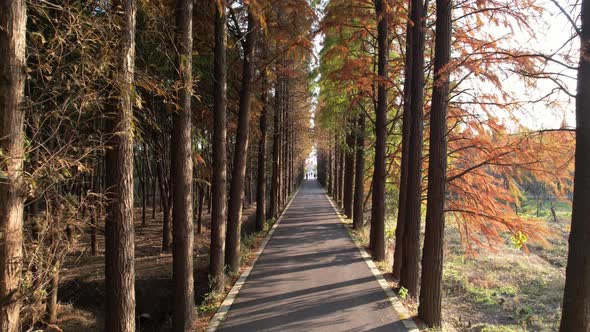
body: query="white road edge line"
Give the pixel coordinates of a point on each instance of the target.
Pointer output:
(219, 316)
(398, 307)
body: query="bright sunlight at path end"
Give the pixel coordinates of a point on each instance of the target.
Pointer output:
(311, 277)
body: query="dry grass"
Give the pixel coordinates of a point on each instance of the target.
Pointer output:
(504, 290)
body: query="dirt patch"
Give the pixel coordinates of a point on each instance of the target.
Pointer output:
(81, 291)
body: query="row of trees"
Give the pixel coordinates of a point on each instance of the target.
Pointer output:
(441, 96)
(105, 101)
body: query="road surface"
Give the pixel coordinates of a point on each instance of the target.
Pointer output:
(311, 277)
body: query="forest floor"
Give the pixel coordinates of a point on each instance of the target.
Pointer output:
(81, 291)
(504, 290)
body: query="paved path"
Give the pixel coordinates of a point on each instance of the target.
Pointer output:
(311, 277)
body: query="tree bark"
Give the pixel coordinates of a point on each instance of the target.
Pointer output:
(359, 177)
(218, 191)
(261, 177)
(201, 207)
(341, 154)
(329, 185)
(275, 184)
(236, 194)
(13, 20)
(429, 309)
(576, 299)
(335, 176)
(403, 182)
(182, 175)
(348, 189)
(411, 238)
(119, 231)
(52, 293)
(164, 201)
(377, 244)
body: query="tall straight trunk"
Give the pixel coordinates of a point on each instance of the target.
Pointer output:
(335, 175)
(403, 182)
(411, 238)
(218, 191)
(236, 193)
(96, 212)
(275, 178)
(377, 244)
(576, 298)
(341, 177)
(359, 177)
(287, 117)
(13, 18)
(249, 179)
(143, 178)
(153, 179)
(182, 175)
(429, 309)
(261, 177)
(119, 232)
(164, 200)
(349, 173)
(200, 204)
(291, 149)
(329, 171)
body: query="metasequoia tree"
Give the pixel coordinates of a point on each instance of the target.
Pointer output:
(359, 174)
(429, 309)
(576, 298)
(348, 186)
(405, 151)
(12, 190)
(119, 231)
(182, 174)
(377, 239)
(411, 237)
(218, 191)
(236, 194)
(261, 176)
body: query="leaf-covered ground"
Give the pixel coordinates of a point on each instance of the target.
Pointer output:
(504, 289)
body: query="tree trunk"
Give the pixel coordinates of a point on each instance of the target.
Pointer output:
(236, 194)
(119, 232)
(182, 175)
(153, 182)
(284, 148)
(349, 173)
(219, 194)
(554, 214)
(275, 184)
(142, 179)
(377, 244)
(200, 208)
(52, 294)
(96, 211)
(411, 238)
(429, 309)
(341, 154)
(576, 299)
(403, 181)
(359, 178)
(164, 199)
(261, 177)
(329, 185)
(13, 20)
(335, 176)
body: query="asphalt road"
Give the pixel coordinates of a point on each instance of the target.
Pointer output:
(311, 277)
